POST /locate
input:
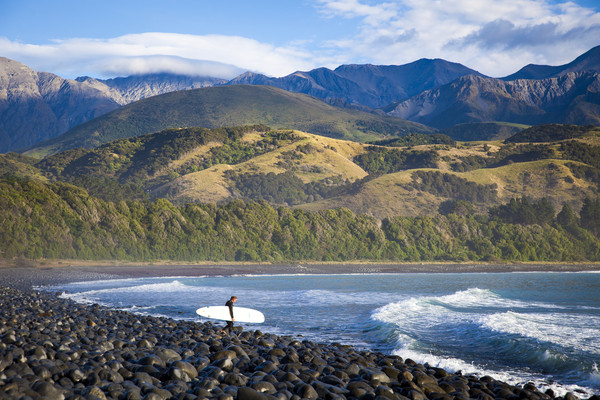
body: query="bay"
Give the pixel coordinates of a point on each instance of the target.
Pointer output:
(516, 327)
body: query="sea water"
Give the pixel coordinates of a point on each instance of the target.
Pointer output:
(516, 327)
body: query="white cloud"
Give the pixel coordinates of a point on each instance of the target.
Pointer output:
(222, 56)
(495, 37)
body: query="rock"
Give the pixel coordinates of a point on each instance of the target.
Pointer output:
(130, 357)
(359, 388)
(47, 389)
(167, 355)
(95, 392)
(264, 387)
(421, 378)
(266, 367)
(415, 394)
(152, 360)
(374, 374)
(174, 373)
(186, 367)
(235, 379)
(306, 391)
(246, 393)
(224, 354)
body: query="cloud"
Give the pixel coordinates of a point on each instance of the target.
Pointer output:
(372, 14)
(495, 37)
(502, 35)
(222, 56)
(119, 66)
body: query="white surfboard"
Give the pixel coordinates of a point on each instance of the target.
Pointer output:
(240, 314)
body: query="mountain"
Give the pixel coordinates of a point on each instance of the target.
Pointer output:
(38, 106)
(589, 61)
(126, 90)
(367, 85)
(573, 97)
(229, 106)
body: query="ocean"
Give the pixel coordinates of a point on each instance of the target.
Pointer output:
(516, 327)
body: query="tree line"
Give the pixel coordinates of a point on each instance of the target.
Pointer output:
(62, 221)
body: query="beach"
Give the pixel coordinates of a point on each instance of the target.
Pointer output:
(54, 348)
(27, 274)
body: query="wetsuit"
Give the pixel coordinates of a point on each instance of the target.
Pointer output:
(229, 327)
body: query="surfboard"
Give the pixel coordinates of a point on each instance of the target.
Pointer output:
(240, 314)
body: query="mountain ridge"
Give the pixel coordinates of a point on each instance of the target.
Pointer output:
(361, 85)
(588, 61)
(234, 105)
(42, 105)
(569, 98)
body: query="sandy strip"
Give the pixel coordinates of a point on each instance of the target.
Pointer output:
(50, 273)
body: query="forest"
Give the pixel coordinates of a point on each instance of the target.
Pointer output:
(61, 221)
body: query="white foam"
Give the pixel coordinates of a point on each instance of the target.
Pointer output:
(567, 330)
(516, 378)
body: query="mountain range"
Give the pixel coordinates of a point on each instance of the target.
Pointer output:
(572, 98)
(373, 86)
(234, 105)
(37, 106)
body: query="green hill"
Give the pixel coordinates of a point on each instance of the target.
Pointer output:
(229, 106)
(303, 170)
(475, 131)
(257, 193)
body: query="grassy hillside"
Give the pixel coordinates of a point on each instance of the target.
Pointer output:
(484, 130)
(257, 193)
(312, 172)
(229, 106)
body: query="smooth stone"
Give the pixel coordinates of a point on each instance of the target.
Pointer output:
(235, 379)
(174, 373)
(188, 368)
(223, 354)
(264, 387)
(421, 378)
(47, 389)
(95, 392)
(266, 367)
(415, 394)
(374, 374)
(306, 391)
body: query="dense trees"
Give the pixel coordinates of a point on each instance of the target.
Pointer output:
(549, 133)
(451, 186)
(507, 154)
(416, 139)
(521, 211)
(60, 220)
(380, 160)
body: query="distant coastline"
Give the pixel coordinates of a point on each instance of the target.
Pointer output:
(30, 273)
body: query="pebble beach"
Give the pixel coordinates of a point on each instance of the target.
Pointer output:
(53, 348)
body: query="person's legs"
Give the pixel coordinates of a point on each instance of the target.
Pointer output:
(229, 327)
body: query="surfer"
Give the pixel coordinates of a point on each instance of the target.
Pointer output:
(230, 302)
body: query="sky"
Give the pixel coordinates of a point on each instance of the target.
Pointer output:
(224, 38)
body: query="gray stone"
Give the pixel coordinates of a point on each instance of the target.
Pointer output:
(47, 389)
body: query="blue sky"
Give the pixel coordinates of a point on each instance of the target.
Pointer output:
(277, 37)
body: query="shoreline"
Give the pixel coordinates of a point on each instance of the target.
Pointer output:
(26, 274)
(55, 348)
(207, 364)
(29, 273)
